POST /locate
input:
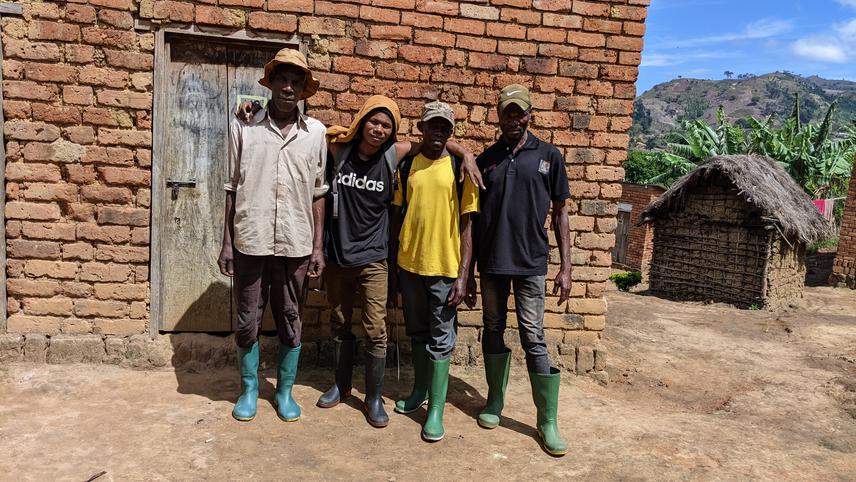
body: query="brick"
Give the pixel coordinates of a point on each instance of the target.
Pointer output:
(108, 37)
(121, 291)
(421, 20)
(125, 137)
(48, 231)
(20, 323)
(80, 13)
(78, 251)
(440, 39)
(439, 7)
(322, 26)
(105, 194)
(123, 216)
(488, 61)
(631, 44)
(116, 18)
(119, 326)
(552, 5)
(454, 76)
(478, 44)
(101, 76)
(480, 12)
(42, 30)
(32, 172)
(226, 17)
(625, 12)
(94, 308)
(546, 35)
(460, 25)
(336, 9)
(122, 254)
(56, 114)
(421, 55)
(50, 72)
(80, 95)
(99, 116)
(173, 11)
(273, 22)
(51, 306)
(585, 359)
(398, 71)
(351, 65)
(590, 9)
(23, 49)
(129, 60)
(383, 15)
(508, 47)
(49, 192)
(50, 269)
(104, 234)
(26, 287)
(529, 17)
(574, 22)
(124, 98)
(541, 66)
(22, 89)
(380, 49)
(80, 134)
(506, 30)
(108, 155)
(300, 6)
(391, 32)
(32, 211)
(604, 173)
(140, 236)
(242, 3)
(100, 272)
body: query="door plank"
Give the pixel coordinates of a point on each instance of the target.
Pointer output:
(196, 297)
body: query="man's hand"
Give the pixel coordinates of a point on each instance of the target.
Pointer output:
(562, 285)
(316, 264)
(247, 111)
(470, 169)
(472, 295)
(226, 261)
(458, 292)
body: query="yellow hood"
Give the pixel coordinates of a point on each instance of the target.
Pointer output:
(340, 134)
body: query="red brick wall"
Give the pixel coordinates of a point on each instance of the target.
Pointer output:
(640, 238)
(77, 83)
(845, 261)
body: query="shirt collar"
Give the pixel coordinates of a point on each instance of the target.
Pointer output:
(531, 142)
(263, 115)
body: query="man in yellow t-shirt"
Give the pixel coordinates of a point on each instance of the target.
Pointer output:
(433, 231)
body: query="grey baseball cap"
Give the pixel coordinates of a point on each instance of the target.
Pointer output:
(438, 109)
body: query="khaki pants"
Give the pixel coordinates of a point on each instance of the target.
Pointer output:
(368, 285)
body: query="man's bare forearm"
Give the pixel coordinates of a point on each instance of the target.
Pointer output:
(318, 212)
(229, 223)
(563, 235)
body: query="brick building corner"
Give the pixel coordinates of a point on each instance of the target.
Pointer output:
(844, 267)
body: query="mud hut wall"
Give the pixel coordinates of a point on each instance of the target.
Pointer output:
(640, 238)
(78, 94)
(708, 249)
(844, 268)
(785, 273)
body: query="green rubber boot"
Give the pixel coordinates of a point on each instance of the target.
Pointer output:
(421, 377)
(286, 408)
(248, 364)
(545, 394)
(496, 368)
(433, 431)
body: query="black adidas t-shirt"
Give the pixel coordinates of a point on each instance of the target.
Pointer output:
(360, 235)
(510, 235)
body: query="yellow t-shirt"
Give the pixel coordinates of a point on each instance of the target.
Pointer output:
(430, 238)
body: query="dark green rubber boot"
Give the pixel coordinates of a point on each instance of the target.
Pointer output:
(496, 368)
(286, 408)
(248, 364)
(545, 394)
(421, 378)
(433, 431)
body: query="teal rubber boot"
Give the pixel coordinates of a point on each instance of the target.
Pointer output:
(286, 408)
(248, 365)
(421, 377)
(496, 368)
(433, 431)
(545, 394)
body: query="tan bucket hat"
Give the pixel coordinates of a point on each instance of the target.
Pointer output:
(296, 58)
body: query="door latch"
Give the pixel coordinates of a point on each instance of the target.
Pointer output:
(174, 184)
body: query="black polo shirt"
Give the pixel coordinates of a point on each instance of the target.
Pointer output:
(511, 237)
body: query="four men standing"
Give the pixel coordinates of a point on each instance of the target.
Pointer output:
(279, 215)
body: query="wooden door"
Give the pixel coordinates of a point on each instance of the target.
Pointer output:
(203, 81)
(619, 253)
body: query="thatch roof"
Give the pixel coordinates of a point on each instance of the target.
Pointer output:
(762, 182)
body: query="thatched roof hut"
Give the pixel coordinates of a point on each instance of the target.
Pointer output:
(735, 230)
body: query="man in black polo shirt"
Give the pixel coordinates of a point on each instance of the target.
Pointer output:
(523, 176)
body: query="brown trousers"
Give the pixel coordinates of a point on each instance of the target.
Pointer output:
(369, 284)
(281, 279)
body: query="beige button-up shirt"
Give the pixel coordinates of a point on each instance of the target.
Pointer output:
(275, 178)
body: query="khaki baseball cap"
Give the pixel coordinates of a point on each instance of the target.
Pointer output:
(296, 58)
(514, 94)
(438, 109)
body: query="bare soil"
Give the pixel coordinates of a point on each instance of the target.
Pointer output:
(697, 392)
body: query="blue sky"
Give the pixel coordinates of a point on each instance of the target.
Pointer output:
(704, 38)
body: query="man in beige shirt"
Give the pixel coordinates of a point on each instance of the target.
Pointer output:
(272, 237)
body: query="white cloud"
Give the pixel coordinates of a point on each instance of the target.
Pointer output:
(848, 3)
(657, 59)
(819, 50)
(762, 29)
(838, 48)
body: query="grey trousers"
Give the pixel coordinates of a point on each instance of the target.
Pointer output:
(529, 295)
(427, 318)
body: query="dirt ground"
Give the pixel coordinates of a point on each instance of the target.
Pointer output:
(697, 392)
